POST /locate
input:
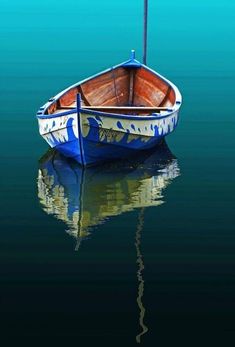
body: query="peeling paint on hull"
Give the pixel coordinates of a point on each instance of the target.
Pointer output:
(104, 138)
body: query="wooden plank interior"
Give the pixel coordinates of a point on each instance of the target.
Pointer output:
(52, 108)
(83, 97)
(166, 97)
(149, 90)
(69, 97)
(120, 87)
(171, 98)
(111, 88)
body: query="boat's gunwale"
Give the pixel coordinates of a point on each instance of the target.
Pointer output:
(112, 115)
(41, 113)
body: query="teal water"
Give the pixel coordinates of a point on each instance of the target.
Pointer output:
(173, 262)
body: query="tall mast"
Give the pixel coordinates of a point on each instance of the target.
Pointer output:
(145, 32)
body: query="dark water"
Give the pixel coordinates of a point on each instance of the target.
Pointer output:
(143, 252)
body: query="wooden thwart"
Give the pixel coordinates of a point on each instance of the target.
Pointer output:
(127, 108)
(121, 109)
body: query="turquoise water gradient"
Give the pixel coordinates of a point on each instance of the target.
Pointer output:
(52, 295)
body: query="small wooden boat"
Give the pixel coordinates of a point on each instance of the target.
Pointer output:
(119, 111)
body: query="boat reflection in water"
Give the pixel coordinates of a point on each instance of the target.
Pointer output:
(85, 198)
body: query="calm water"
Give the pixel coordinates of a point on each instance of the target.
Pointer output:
(137, 252)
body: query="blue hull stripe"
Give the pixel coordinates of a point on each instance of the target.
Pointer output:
(95, 152)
